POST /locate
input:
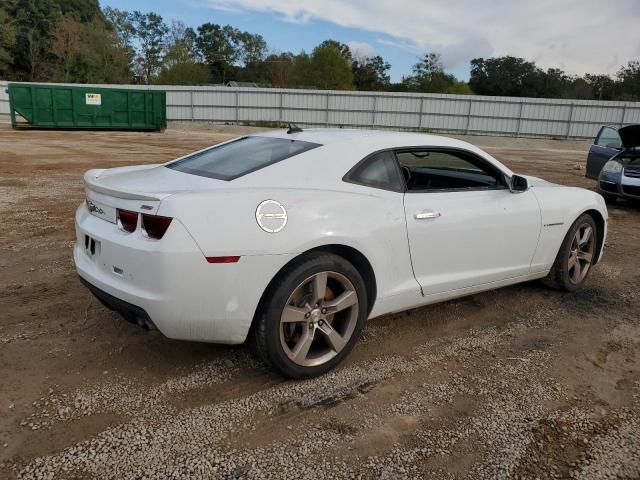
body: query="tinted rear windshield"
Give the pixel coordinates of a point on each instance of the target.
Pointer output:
(239, 157)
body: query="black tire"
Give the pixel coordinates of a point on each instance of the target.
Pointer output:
(559, 277)
(267, 343)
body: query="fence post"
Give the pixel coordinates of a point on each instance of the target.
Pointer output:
(280, 111)
(373, 112)
(237, 107)
(519, 119)
(326, 115)
(466, 130)
(624, 114)
(569, 121)
(421, 110)
(191, 103)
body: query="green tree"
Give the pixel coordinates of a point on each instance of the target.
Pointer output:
(603, 87)
(343, 48)
(459, 88)
(66, 46)
(556, 83)
(430, 64)
(186, 73)
(629, 77)
(252, 48)
(88, 53)
(429, 77)
(371, 73)
(510, 76)
(84, 11)
(104, 58)
(180, 44)
(302, 71)
(150, 32)
(7, 41)
(32, 20)
(219, 47)
(330, 68)
(578, 88)
(33, 23)
(279, 69)
(181, 61)
(401, 86)
(121, 23)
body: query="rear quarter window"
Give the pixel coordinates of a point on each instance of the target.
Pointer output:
(378, 171)
(240, 157)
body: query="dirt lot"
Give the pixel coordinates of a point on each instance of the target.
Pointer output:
(522, 382)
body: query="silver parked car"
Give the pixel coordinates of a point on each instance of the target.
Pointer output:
(614, 161)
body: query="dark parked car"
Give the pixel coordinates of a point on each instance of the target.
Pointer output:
(614, 161)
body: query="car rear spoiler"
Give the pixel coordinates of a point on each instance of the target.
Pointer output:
(92, 183)
(630, 136)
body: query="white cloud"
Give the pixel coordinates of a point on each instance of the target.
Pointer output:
(577, 35)
(401, 44)
(361, 50)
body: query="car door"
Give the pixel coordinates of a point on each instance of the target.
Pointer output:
(465, 227)
(605, 146)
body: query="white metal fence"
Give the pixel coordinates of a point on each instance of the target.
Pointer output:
(527, 117)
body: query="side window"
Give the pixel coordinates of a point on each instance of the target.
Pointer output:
(377, 171)
(609, 138)
(433, 170)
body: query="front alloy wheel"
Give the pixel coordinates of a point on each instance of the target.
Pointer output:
(311, 316)
(581, 253)
(576, 255)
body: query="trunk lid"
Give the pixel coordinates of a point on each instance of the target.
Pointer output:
(138, 188)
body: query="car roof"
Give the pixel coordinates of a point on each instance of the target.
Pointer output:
(378, 138)
(340, 149)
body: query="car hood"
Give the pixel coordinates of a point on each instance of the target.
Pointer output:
(630, 136)
(538, 182)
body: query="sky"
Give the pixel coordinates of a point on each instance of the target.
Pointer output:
(578, 36)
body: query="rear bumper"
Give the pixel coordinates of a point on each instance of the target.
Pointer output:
(130, 312)
(169, 282)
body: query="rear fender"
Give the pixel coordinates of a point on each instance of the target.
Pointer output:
(224, 223)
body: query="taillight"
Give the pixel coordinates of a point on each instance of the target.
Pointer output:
(155, 226)
(127, 220)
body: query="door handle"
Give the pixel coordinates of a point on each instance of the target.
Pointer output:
(426, 215)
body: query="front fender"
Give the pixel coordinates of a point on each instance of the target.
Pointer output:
(560, 208)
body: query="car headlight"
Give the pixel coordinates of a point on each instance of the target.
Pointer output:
(612, 167)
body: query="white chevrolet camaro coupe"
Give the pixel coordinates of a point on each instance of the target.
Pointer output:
(293, 239)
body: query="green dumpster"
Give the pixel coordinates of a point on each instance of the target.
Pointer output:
(62, 106)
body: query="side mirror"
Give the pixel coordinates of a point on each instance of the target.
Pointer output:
(518, 184)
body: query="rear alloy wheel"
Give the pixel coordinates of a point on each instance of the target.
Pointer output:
(319, 319)
(576, 255)
(312, 317)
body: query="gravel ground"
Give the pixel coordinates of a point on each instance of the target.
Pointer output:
(521, 382)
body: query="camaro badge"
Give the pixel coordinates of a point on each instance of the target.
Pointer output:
(94, 208)
(271, 216)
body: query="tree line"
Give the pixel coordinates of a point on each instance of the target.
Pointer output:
(78, 42)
